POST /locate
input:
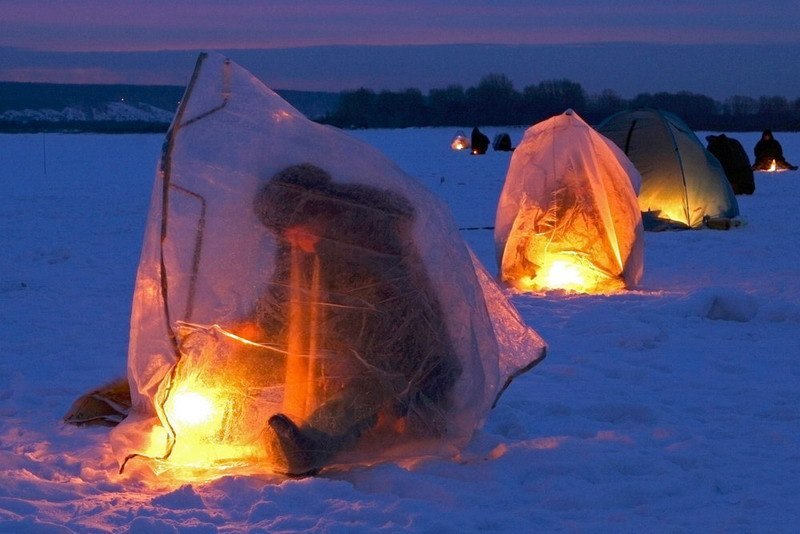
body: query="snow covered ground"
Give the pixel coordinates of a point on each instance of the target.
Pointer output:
(673, 408)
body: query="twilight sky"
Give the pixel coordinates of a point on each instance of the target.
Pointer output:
(136, 25)
(36, 34)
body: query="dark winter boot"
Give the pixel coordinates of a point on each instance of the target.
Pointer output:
(302, 452)
(307, 450)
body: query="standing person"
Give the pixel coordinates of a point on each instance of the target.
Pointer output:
(769, 150)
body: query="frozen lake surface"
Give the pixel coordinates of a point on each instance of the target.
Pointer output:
(674, 407)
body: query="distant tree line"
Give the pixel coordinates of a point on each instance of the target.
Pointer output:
(495, 102)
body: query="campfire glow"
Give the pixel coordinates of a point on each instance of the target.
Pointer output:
(565, 275)
(459, 144)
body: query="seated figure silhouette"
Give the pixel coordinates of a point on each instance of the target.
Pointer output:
(769, 150)
(350, 301)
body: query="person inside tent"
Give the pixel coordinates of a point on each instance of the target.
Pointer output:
(769, 154)
(350, 302)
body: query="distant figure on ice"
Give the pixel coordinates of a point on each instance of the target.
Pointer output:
(768, 151)
(479, 141)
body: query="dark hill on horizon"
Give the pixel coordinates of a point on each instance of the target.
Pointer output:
(27, 107)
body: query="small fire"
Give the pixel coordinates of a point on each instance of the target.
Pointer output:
(459, 144)
(773, 166)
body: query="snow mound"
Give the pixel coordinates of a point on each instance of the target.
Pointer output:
(731, 306)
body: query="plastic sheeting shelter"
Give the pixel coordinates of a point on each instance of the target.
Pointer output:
(682, 183)
(568, 216)
(301, 302)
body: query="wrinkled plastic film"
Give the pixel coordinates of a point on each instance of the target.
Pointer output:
(300, 300)
(568, 217)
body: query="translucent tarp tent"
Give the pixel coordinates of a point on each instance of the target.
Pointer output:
(682, 183)
(301, 302)
(568, 217)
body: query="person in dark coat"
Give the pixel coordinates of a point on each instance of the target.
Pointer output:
(767, 150)
(733, 157)
(351, 303)
(479, 142)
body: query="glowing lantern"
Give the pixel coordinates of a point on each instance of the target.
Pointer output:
(192, 410)
(460, 142)
(773, 166)
(215, 402)
(561, 274)
(568, 218)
